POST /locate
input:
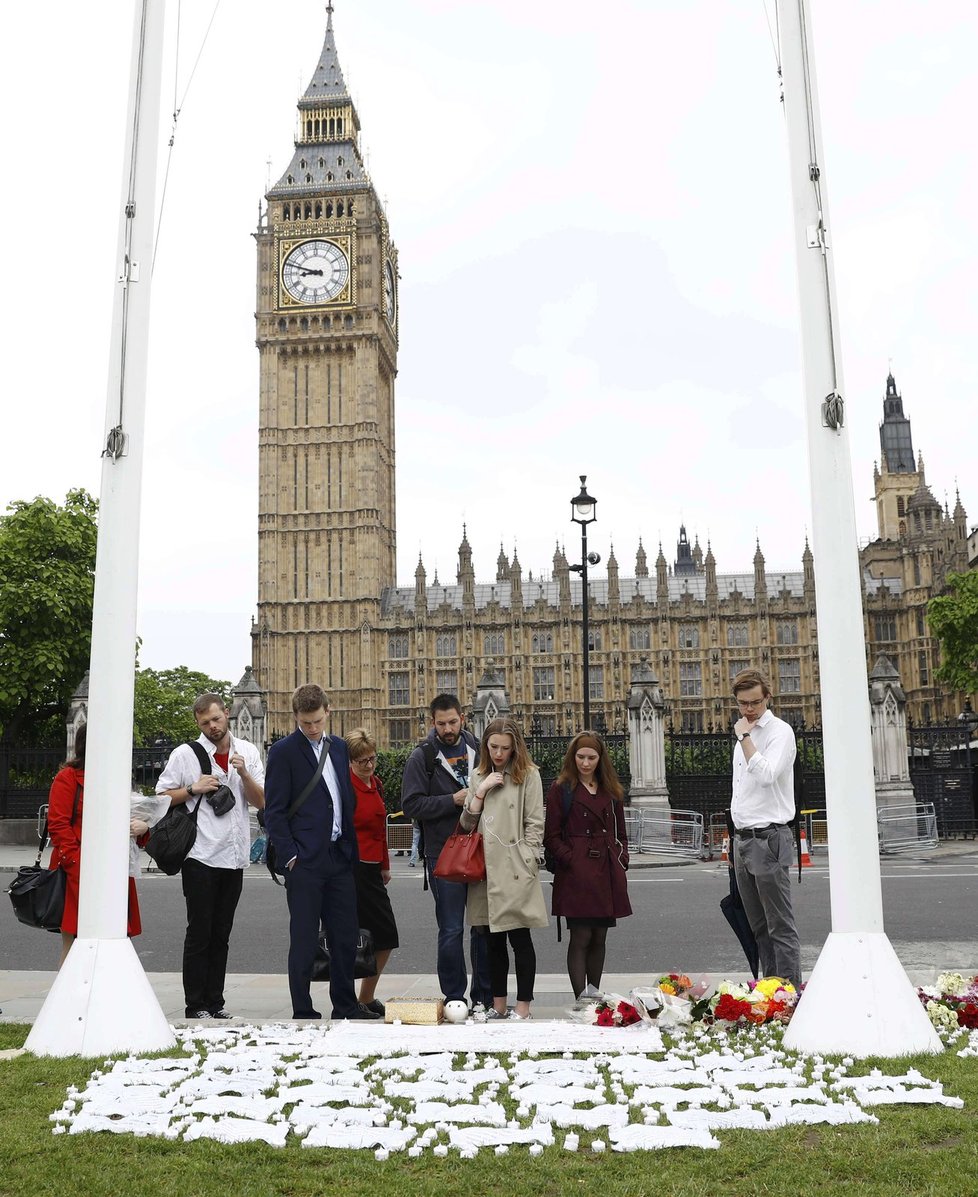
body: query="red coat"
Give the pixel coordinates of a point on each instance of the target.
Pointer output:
(370, 821)
(66, 838)
(591, 852)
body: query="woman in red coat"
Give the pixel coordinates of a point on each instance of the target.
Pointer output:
(585, 834)
(64, 826)
(374, 867)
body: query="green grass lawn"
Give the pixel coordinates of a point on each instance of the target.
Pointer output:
(915, 1150)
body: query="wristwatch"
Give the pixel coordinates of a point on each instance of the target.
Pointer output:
(740, 739)
(190, 792)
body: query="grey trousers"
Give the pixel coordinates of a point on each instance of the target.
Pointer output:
(762, 866)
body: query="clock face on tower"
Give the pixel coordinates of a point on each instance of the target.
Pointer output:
(315, 271)
(390, 299)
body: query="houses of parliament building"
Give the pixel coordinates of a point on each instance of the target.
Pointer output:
(329, 607)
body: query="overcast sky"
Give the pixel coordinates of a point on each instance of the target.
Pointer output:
(591, 205)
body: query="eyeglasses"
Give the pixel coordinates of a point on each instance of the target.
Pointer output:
(366, 760)
(750, 703)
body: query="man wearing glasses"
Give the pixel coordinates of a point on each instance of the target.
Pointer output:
(762, 805)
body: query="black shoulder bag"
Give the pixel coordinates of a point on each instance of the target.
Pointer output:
(38, 894)
(175, 834)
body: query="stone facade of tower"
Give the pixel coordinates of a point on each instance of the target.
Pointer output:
(327, 342)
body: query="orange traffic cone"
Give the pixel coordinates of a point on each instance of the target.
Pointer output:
(806, 860)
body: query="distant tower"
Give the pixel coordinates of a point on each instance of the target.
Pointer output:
(898, 477)
(685, 566)
(327, 342)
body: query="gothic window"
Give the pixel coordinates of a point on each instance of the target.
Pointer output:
(544, 683)
(286, 212)
(689, 635)
(446, 645)
(322, 163)
(446, 681)
(885, 626)
(639, 638)
(339, 161)
(304, 324)
(302, 164)
(349, 207)
(289, 179)
(399, 732)
(397, 647)
(901, 506)
(319, 209)
(737, 667)
(282, 324)
(737, 635)
(594, 641)
(493, 644)
(329, 179)
(347, 321)
(690, 679)
(308, 180)
(920, 623)
(339, 127)
(692, 721)
(308, 212)
(787, 631)
(916, 571)
(792, 715)
(596, 681)
(349, 174)
(789, 676)
(398, 689)
(543, 642)
(924, 668)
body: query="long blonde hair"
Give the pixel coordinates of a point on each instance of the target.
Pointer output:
(519, 763)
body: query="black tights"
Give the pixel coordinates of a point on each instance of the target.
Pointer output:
(585, 957)
(524, 957)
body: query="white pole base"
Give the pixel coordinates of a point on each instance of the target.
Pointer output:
(859, 1002)
(101, 1003)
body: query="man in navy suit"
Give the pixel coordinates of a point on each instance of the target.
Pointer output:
(318, 848)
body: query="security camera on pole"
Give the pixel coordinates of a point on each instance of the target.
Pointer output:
(101, 1001)
(882, 1016)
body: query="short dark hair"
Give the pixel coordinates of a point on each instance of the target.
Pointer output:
(445, 702)
(205, 701)
(747, 679)
(309, 697)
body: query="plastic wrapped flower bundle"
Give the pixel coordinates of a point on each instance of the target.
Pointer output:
(952, 1001)
(772, 999)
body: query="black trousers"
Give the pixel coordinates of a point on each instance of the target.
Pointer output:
(212, 898)
(325, 893)
(524, 956)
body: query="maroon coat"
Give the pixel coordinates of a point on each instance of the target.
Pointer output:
(591, 852)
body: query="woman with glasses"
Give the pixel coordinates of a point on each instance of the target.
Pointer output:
(374, 868)
(585, 835)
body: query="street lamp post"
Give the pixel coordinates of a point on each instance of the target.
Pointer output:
(582, 512)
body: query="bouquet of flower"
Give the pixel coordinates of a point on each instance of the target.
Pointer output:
(952, 1002)
(614, 1012)
(772, 999)
(675, 984)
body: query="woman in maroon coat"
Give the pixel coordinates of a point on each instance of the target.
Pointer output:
(585, 834)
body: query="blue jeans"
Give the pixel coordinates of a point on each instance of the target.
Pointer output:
(450, 899)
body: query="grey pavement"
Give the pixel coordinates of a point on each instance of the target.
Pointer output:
(264, 997)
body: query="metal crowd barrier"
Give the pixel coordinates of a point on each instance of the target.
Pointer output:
(665, 833)
(399, 834)
(907, 826)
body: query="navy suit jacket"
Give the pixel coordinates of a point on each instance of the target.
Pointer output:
(306, 836)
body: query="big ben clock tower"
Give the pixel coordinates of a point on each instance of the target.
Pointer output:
(327, 339)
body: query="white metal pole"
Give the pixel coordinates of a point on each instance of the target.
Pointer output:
(882, 1015)
(101, 1000)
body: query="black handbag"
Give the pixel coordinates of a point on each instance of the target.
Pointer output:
(172, 838)
(365, 964)
(38, 894)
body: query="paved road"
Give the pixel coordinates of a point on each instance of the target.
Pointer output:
(929, 911)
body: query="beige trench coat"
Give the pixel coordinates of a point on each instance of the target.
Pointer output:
(511, 822)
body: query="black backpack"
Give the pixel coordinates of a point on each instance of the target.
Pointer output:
(566, 801)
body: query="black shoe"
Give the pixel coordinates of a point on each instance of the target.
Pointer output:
(306, 1014)
(359, 1011)
(198, 1014)
(377, 1007)
(222, 1014)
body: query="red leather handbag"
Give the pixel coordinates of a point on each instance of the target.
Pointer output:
(462, 859)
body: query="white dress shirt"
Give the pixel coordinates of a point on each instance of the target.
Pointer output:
(763, 787)
(332, 781)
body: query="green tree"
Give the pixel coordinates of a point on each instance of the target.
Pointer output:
(47, 582)
(163, 703)
(953, 618)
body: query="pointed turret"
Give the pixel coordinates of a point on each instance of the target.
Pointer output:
(710, 567)
(698, 556)
(760, 578)
(327, 143)
(808, 567)
(420, 589)
(614, 593)
(641, 561)
(685, 567)
(466, 574)
(516, 582)
(896, 442)
(502, 566)
(661, 581)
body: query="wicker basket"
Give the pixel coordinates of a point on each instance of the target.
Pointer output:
(420, 1012)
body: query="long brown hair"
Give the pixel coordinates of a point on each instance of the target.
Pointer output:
(519, 763)
(604, 774)
(77, 758)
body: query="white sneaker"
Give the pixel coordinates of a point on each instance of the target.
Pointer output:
(494, 1015)
(521, 1017)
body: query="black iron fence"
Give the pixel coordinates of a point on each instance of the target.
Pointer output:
(26, 775)
(943, 769)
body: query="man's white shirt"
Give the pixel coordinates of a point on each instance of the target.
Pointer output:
(763, 787)
(332, 781)
(223, 841)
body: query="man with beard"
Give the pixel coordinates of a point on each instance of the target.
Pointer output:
(762, 805)
(433, 789)
(213, 870)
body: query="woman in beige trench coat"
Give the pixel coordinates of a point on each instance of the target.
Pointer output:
(505, 802)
